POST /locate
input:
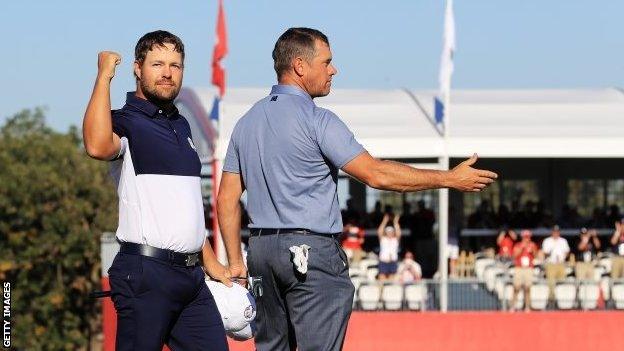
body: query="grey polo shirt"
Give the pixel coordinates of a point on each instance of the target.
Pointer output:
(288, 152)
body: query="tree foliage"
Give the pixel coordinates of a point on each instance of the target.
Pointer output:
(54, 204)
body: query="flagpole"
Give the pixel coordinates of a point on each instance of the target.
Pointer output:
(443, 220)
(446, 70)
(218, 79)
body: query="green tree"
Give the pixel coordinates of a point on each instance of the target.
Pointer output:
(54, 204)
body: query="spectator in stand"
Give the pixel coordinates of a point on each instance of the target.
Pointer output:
(587, 248)
(505, 241)
(569, 217)
(408, 221)
(353, 239)
(483, 217)
(517, 220)
(424, 219)
(503, 217)
(539, 214)
(375, 217)
(350, 214)
(523, 253)
(452, 248)
(598, 220)
(409, 270)
(406, 216)
(614, 215)
(389, 238)
(617, 241)
(530, 215)
(556, 250)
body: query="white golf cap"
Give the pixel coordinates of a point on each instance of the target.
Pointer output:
(237, 308)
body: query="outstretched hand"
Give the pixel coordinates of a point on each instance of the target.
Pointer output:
(466, 178)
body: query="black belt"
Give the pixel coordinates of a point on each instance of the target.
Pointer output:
(273, 231)
(179, 258)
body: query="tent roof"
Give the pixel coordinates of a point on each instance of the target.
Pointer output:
(494, 123)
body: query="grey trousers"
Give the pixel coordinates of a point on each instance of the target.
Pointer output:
(306, 312)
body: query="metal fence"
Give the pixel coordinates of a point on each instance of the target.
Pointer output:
(475, 295)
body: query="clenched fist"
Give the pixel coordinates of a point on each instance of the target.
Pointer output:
(107, 61)
(466, 178)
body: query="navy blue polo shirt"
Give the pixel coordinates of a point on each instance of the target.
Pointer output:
(157, 173)
(288, 152)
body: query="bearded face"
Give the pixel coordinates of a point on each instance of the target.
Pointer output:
(159, 76)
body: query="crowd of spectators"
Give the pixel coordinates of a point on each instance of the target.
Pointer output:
(419, 221)
(536, 215)
(556, 254)
(553, 254)
(389, 232)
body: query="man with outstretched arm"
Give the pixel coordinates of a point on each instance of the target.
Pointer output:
(157, 284)
(286, 153)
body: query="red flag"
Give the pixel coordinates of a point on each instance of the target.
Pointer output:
(220, 50)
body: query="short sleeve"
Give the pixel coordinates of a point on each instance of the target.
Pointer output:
(336, 141)
(119, 123)
(232, 160)
(123, 146)
(120, 128)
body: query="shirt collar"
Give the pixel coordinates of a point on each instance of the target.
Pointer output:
(146, 106)
(290, 89)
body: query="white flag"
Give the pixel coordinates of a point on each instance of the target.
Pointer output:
(446, 61)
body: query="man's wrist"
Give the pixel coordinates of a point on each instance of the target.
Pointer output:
(447, 179)
(103, 79)
(237, 261)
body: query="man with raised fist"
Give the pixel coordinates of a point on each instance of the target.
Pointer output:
(157, 284)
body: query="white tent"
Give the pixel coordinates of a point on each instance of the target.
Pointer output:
(494, 123)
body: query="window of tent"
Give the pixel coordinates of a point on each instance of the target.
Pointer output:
(615, 193)
(514, 194)
(473, 201)
(396, 200)
(520, 191)
(585, 195)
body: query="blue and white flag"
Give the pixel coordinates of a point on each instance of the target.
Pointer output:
(446, 63)
(214, 113)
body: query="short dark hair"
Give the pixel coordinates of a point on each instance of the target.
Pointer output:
(293, 43)
(160, 38)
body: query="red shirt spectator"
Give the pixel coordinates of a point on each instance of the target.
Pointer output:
(505, 241)
(525, 251)
(354, 237)
(505, 247)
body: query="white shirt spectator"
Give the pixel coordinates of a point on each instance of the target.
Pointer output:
(389, 249)
(409, 271)
(556, 249)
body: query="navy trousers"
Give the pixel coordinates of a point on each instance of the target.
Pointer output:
(160, 303)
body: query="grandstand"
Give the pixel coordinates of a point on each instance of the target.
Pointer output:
(554, 148)
(490, 288)
(558, 150)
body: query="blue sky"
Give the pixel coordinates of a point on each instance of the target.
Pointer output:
(50, 47)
